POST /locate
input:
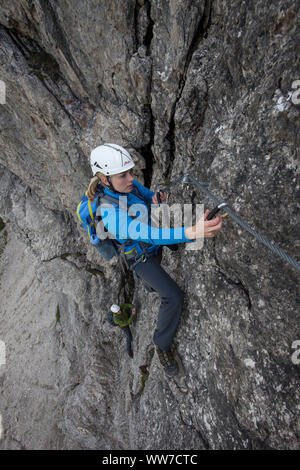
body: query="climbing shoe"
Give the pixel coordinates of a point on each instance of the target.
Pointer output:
(167, 360)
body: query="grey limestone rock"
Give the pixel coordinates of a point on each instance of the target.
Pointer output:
(207, 87)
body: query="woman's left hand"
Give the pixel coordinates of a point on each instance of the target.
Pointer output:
(163, 197)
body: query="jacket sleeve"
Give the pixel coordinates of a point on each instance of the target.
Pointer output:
(124, 227)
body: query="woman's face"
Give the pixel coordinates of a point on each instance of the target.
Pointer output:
(122, 182)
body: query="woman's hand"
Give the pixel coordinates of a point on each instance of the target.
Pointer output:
(204, 228)
(163, 197)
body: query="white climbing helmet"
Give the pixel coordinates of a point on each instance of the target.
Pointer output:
(110, 159)
(114, 308)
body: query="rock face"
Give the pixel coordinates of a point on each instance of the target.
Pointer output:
(208, 87)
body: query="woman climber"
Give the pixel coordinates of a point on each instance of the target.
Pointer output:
(112, 169)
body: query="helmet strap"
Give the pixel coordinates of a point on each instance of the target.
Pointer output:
(111, 186)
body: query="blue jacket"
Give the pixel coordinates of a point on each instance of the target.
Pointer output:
(127, 227)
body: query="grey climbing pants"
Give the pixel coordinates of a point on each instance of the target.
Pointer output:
(155, 276)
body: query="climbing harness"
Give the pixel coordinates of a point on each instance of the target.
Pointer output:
(188, 179)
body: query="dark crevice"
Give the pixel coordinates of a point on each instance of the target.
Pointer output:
(246, 292)
(58, 101)
(147, 153)
(239, 285)
(170, 137)
(144, 35)
(2, 224)
(55, 31)
(66, 257)
(149, 159)
(135, 22)
(143, 29)
(127, 288)
(44, 66)
(202, 30)
(200, 33)
(234, 282)
(192, 427)
(149, 33)
(19, 42)
(144, 373)
(40, 62)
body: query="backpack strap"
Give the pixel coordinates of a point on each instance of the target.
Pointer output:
(130, 257)
(84, 221)
(90, 209)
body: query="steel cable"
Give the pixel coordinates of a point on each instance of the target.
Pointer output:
(186, 179)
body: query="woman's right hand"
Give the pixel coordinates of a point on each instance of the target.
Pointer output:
(204, 228)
